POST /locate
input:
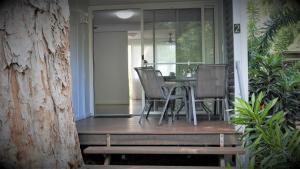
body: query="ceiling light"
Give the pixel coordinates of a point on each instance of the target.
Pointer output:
(124, 14)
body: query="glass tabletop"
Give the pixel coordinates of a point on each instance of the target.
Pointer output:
(179, 79)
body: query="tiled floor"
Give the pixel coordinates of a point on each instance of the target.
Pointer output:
(134, 107)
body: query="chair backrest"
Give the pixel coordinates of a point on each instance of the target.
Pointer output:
(211, 81)
(150, 82)
(160, 77)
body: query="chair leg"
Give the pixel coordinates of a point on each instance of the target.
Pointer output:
(223, 109)
(190, 104)
(186, 107)
(164, 111)
(165, 116)
(186, 103)
(226, 109)
(216, 108)
(193, 105)
(151, 105)
(142, 113)
(180, 108)
(206, 109)
(220, 109)
(172, 109)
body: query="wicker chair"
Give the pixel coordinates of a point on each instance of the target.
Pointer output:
(211, 84)
(156, 90)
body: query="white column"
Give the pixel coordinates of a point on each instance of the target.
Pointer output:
(240, 51)
(91, 56)
(239, 8)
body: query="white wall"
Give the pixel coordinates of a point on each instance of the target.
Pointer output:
(79, 58)
(134, 60)
(111, 68)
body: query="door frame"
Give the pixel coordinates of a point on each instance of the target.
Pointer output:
(150, 6)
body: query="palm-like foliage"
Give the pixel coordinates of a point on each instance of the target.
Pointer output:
(271, 143)
(253, 30)
(284, 17)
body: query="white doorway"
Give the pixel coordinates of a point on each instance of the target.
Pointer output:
(117, 50)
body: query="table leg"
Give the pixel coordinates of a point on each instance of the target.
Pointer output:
(190, 112)
(186, 102)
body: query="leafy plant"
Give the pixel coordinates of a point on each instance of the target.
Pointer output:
(270, 142)
(284, 17)
(269, 74)
(284, 38)
(269, 134)
(278, 32)
(254, 34)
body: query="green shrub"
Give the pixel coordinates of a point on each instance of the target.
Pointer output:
(270, 142)
(269, 74)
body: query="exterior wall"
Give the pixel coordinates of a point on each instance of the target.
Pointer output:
(79, 58)
(228, 46)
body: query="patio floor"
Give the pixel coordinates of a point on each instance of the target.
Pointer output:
(131, 126)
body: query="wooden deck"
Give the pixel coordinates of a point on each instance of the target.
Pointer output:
(127, 131)
(131, 126)
(113, 136)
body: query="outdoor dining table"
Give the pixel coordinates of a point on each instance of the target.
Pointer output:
(187, 83)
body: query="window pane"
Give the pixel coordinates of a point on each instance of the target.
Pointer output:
(165, 47)
(209, 36)
(148, 36)
(189, 39)
(179, 37)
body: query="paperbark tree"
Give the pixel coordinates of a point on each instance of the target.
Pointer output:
(37, 128)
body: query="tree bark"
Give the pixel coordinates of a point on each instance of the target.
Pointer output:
(37, 128)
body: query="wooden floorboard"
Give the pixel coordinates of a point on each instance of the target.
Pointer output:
(162, 150)
(131, 126)
(147, 167)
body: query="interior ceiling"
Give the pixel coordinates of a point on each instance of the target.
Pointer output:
(108, 17)
(107, 20)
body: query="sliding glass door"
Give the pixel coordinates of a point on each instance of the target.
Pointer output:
(172, 37)
(176, 40)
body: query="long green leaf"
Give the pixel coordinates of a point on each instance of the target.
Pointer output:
(258, 102)
(268, 107)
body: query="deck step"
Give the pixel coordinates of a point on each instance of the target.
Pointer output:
(147, 167)
(163, 150)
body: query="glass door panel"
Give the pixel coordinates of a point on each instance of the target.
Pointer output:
(177, 40)
(148, 37)
(165, 41)
(189, 40)
(209, 36)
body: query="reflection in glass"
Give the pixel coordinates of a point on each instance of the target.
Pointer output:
(209, 36)
(189, 41)
(177, 42)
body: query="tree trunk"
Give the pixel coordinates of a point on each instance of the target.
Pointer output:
(37, 128)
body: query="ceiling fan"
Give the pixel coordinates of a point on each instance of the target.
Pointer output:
(171, 40)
